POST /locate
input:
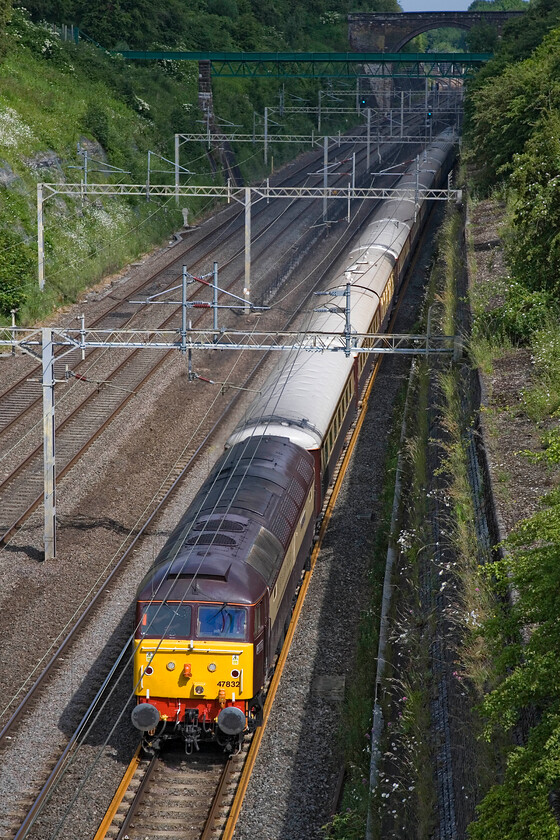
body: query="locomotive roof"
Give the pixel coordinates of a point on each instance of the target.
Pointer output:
(230, 542)
(192, 577)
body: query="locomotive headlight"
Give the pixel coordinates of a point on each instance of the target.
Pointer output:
(212, 667)
(199, 689)
(170, 666)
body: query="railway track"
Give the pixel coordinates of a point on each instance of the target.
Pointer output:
(172, 795)
(22, 488)
(141, 794)
(133, 814)
(22, 395)
(150, 835)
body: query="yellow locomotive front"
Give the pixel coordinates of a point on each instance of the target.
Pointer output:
(210, 611)
(194, 672)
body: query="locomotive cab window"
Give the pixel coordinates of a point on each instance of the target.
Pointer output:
(259, 619)
(223, 622)
(170, 621)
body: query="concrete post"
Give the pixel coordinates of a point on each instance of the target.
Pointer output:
(325, 165)
(176, 169)
(247, 288)
(215, 296)
(49, 463)
(40, 238)
(368, 144)
(266, 135)
(184, 310)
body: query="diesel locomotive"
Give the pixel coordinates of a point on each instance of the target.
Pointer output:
(212, 610)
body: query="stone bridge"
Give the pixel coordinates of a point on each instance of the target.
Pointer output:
(380, 32)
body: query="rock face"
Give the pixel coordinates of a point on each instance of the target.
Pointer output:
(7, 175)
(44, 160)
(93, 148)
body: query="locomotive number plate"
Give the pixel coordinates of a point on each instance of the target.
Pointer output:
(228, 683)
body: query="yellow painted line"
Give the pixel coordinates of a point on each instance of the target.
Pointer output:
(258, 736)
(118, 797)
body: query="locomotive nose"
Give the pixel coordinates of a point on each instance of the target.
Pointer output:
(231, 720)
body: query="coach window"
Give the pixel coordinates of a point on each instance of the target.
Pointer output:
(221, 621)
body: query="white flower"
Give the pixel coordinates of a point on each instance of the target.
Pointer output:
(12, 128)
(141, 105)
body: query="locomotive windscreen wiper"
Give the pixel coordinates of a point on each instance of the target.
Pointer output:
(222, 608)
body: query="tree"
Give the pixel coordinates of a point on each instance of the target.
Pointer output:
(498, 6)
(16, 271)
(534, 249)
(520, 806)
(482, 38)
(503, 111)
(5, 13)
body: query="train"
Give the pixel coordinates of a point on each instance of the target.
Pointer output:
(213, 609)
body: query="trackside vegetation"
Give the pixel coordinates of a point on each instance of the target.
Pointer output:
(56, 96)
(512, 134)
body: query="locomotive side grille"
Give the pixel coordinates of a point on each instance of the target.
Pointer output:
(305, 469)
(288, 509)
(211, 539)
(297, 492)
(282, 530)
(219, 525)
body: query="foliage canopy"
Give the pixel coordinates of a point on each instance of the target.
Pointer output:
(209, 24)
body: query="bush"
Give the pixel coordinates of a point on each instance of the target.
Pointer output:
(17, 267)
(522, 314)
(95, 121)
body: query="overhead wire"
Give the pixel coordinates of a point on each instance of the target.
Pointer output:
(170, 565)
(133, 636)
(70, 389)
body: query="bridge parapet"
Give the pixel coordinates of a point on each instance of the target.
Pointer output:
(384, 32)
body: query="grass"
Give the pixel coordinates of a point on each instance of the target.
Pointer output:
(410, 808)
(485, 350)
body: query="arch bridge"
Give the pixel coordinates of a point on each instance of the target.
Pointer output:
(384, 32)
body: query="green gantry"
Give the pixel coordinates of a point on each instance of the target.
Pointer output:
(320, 65)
